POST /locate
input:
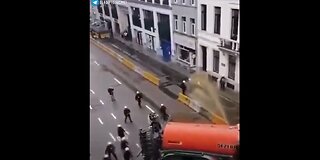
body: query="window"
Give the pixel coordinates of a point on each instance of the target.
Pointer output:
(193, 26)
(183, 1)
(234, 24)
(184, 27)
(99, 8)
(184, 54)
(232, 67)
(106, 10)
(176, 22)
(217, 16)
(157, 1)
(148, 20)
(204, 58)
(216, 61)
(165, 2)
(150, 1)
(193, 2)
(114, 11)
(203, 17)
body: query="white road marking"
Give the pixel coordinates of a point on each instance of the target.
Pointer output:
(115, 46)
(137, 145)
(117, 80)
(100, 120)
(96, 63)
(92, 91)
(101, 102)
(113, 116)
(149, 108)
(90, 107)
(127, 132)
(112, 136)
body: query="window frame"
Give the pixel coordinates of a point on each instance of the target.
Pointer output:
(184, 24)
(215, 26)
(193, 26)
(176, 26)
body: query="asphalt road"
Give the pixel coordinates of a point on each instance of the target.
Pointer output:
(105, 115)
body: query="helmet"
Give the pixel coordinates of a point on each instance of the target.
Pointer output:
(126, 149)
(119, 125)
(109, 143)
(123, 138)
(106, 156)
(137, 92)
(162, 105)
(183, 81)
(125, 107)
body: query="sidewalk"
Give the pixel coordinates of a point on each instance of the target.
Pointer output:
(151, 92)
(155, 64)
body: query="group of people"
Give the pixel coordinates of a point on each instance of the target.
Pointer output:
(138, 96)
(124, 145)
(222, 85)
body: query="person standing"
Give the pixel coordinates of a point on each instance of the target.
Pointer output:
(222, 83)
(138, 98)
(127, 155)
(163, 110)
(124, 143)
(111, 93)
(126, 112)
(183, 87)
(110, 149)
(121, 131)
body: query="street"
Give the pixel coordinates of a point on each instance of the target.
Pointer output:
(105, 115)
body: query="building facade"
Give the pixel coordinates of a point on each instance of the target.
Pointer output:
(218, 48)
(185, 31)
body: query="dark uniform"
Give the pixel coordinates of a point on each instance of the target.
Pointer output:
(127, 155)
(222, 83)
(111, 150)
(163, 110)
(124, 143)
(138, 98)
(121, 132)
(126, 113)
(183, 87)
(156, 126)
(110, 91)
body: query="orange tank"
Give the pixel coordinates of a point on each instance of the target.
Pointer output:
(216, 139)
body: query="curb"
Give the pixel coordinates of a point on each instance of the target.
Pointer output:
(221, 96)
(134, 68)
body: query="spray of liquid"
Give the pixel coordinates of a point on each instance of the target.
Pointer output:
(206, 95)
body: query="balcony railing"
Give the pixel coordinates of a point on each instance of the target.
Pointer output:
(230, 45)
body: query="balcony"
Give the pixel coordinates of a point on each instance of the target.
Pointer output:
(230, 46)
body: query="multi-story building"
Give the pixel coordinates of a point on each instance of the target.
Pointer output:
(184, 30)
(218, 48)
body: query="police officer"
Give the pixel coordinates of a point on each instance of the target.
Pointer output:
(138, 98)
(126, 112)
(124, 143)
(121, 131)
(110, 91)
(183, 87)
(156, 126)
(111, 150)
(127, 155)
(163, 110)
